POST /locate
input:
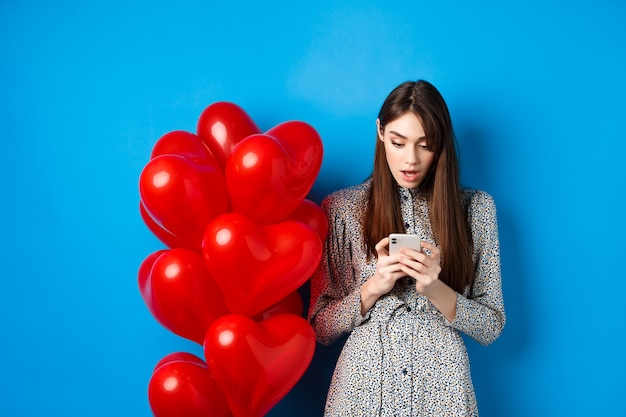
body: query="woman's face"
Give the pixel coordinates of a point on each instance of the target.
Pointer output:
(406, 147)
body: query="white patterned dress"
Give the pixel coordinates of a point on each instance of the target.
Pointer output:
(403, 358)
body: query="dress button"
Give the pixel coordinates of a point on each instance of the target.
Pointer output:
(406, 225)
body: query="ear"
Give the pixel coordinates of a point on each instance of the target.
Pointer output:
(379, 130)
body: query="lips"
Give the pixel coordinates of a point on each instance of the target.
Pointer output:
(410, 175)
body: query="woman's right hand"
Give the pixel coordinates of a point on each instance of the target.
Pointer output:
(388, 271)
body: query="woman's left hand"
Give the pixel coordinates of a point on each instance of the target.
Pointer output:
(424, 268)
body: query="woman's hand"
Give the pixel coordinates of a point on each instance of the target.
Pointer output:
(424, 268)
(388, 271)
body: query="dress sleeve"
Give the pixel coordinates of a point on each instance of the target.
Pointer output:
(481, 315)
(335, 307)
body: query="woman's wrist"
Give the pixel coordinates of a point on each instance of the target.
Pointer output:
(368, 297)
(444, 299)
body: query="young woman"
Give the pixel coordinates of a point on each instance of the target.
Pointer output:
(404, 313)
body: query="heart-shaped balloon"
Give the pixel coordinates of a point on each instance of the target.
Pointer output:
(269, 175)
(182, 385)
(180, 292)
(256, 364)
(143, 277)
(222, 125)
(186, 144)
(182, 196)
(304, 145)
(313, 216)
(292, 304)
(178, 357)
(169, 239)
(257, 265)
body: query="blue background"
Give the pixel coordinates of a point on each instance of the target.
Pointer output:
(536, 90)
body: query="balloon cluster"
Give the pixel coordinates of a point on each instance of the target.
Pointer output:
(230, 203)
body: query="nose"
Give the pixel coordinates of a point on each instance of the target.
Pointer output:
(411, 157)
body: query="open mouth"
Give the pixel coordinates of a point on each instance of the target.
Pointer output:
(410, 175)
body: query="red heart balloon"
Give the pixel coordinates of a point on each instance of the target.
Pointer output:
(305, 148)
(256, 364)
(291, 304)
(182, 385)
(179, 357)
(257, 265)
(269, 175)
(313, 216)
(222, 125)
(163, 235)
(180, 292)
(182, 197)
(143, 277)
(186, 144)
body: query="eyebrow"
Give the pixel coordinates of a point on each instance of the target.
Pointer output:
(393, 132)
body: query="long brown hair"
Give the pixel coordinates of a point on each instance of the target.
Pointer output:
(441, 185)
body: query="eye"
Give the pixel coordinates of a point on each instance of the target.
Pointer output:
(396, 144)
(423, 145)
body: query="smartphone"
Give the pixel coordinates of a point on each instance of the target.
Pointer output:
(402, 240)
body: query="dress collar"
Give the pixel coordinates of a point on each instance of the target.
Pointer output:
(410, 193)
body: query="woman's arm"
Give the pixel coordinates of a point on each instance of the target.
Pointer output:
(481, 316)
(335, 307)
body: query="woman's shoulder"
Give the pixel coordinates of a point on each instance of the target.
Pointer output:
(349, 198)
(475, 196)
(477, 201)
